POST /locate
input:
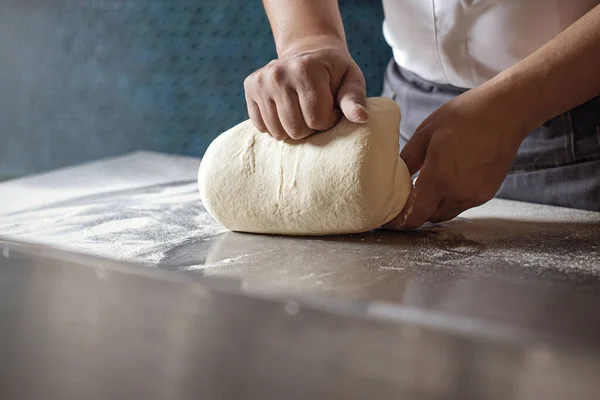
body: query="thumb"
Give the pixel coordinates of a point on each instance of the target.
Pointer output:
(413, 153)
(352, 96)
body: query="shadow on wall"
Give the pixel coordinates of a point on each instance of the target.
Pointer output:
(81, 80)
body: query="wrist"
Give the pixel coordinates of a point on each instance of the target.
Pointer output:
(306, 43)
(514, 99)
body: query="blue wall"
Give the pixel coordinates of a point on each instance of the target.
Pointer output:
(86, 79)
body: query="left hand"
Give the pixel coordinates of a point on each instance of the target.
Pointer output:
(464, 151)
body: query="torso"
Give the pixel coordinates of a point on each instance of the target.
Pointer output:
(467, 42)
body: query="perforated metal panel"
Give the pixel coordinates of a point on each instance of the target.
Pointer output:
(80, 80)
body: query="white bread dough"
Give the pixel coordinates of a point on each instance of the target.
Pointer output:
(349, 179)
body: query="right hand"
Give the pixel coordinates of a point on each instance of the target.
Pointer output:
(306, 90)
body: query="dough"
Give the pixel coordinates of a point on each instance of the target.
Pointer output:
(349, 179)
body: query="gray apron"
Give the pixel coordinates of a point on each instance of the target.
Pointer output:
(557, 164)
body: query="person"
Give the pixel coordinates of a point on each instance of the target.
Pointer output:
(499, 97)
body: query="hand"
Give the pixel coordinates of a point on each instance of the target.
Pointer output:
(464, 151)
(306, 90)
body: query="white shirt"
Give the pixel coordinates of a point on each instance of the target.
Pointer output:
(466, 42)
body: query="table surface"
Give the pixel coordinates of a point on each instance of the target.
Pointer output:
(77, 327)
(503, 269)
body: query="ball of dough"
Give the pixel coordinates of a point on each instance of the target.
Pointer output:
(348, 179)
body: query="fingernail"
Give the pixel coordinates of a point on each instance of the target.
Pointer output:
(361, 113)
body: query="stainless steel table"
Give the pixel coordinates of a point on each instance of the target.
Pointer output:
(75, 327)
(513, 275)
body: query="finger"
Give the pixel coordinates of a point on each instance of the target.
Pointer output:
(421, 204)
(415, 150)
(446, 211)
(255, 117)
(270, 115)
(316, 103)
(290, 115)
(352, 96)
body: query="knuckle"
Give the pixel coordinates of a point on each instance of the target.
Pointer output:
(279, 136)
(258, 123)
(321, 126)
(318, 117)
(315, 121)
(319, 122)
(261, 128)
(254, 81)
(294, 134)
(278, 74)
(298, 134)
(306, 76)
(301, 64)
(362, 83)
(293, 127)
(249, 83)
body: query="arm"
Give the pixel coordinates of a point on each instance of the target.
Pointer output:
(464, 150)
(313, 81)
(559, 76)
(298, 24)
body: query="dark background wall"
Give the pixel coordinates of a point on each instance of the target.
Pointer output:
(86, 79)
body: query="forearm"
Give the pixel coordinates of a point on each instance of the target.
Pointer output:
(302, 23)
(559, 76)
